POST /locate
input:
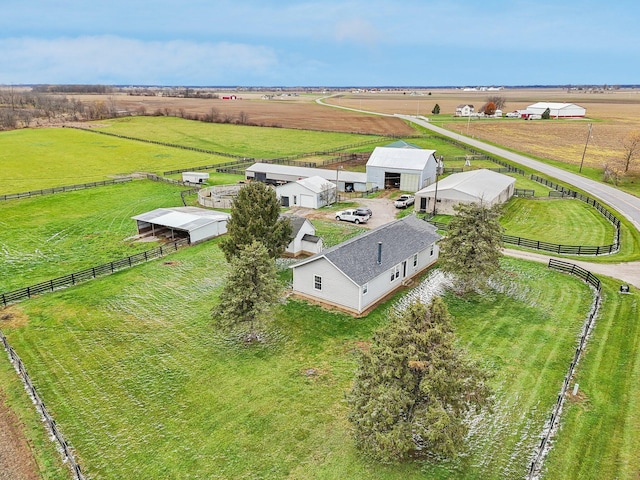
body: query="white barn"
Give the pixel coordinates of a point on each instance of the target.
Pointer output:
(408, 169)
(556, 110)
(304, 240)
(276, 174)
(359, 273)
(473, 186)
(311, 192)
(196, 224)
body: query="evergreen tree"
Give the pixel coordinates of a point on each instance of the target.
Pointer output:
(472, 247)
(546, 114)
(250, 291)
(254, 216)
(413, 387)
(436, 110)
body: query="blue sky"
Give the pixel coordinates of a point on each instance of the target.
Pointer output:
(313, 43)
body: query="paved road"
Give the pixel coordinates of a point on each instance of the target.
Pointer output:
(628, 205)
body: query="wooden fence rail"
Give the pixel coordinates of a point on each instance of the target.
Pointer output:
(65, 188)
(89, 273)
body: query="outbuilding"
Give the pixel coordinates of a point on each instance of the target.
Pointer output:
(196, 224)
(304, 240)
(408, 169)
(556, 110)
(359, 273)
(275, 174)
(311, 192)
(474, 186)
(195, 177)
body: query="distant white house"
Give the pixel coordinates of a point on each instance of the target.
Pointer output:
(304, 240)
(195, 177)
(556, 110)
(464, 110)
(406, 168)
(357, 274)
(473, 186)
(196, 224)
(312, 192)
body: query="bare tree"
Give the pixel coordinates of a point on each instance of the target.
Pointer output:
(328, 194)
(243, 118)
(631, 145)
(499, 101)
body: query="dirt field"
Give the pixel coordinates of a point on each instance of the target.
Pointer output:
(16, 458)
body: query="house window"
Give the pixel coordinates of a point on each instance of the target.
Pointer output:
(395, 272)
(415, 260)
(317, 282)
(365, 288)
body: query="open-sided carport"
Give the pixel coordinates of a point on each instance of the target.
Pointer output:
(196, 224)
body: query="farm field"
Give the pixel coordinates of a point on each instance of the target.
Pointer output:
(49, 236)
(141, 391)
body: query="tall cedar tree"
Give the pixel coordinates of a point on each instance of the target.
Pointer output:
(413, 388)
(254, 216)
(472, 247)
(250, 291)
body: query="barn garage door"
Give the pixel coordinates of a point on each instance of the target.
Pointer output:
(409, 182)
(307, 201)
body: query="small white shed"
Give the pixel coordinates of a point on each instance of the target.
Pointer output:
(304, 240)
(312, 192)
(408, 169)
(474, 186)
(196, 224)
(195, 177)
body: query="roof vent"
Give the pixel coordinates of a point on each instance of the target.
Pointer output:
(379, 253)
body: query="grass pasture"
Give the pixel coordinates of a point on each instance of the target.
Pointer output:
(49, 236)
(144, 392)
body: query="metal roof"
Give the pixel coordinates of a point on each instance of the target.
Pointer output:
(305, 172)
(357, 258)
(403, 158)
(475, 184)
(182, 218)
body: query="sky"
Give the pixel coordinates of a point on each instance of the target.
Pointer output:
(330, 43)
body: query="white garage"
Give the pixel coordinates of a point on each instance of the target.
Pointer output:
(312, 192)
(196, 224)
(475, 186)
(408, 169)
(557, 110)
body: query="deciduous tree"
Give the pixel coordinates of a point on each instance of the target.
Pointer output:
(254, 216)
(631, 146)
(472, 247)
(414, 386)
(488, 108)
(250, 291)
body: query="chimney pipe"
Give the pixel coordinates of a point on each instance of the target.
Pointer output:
(379, 253)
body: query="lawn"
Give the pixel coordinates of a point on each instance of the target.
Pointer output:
(561, 221)
(249, 141)
(32, 159)
(49, 236)
(142, 391)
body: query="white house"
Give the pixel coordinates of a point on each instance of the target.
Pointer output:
(311, 192)
(196, 224)
(276, 174)
(357, 274)
(473, 186)
(195, 177)
(464, 110)
(556, 110)
(304, 240)
(408, 169)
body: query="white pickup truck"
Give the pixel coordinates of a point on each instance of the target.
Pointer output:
(352, 215)
(403, 201)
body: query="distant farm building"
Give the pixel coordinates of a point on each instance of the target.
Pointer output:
(274, 174)
(556, 110)
(229, 97)
(475, 186)
(311, 192)
(464, 110)
(195, 177)
(406, 168)
(196, 224)
(304, 240)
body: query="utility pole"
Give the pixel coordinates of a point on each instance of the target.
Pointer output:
(585, 148)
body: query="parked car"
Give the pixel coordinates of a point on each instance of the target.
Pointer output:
(352, 215)
(364, 211)
(403, 201)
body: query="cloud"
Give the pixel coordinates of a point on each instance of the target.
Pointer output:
(112, 59)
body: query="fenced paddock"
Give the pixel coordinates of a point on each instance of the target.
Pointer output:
(89, 273)
(66, 188)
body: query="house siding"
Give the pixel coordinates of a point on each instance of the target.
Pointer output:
(336, 288)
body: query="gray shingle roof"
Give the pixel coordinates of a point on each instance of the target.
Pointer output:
(357, 258)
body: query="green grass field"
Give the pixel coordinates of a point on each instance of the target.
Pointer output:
(49, 236)
(252, 142)
(142, 391)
